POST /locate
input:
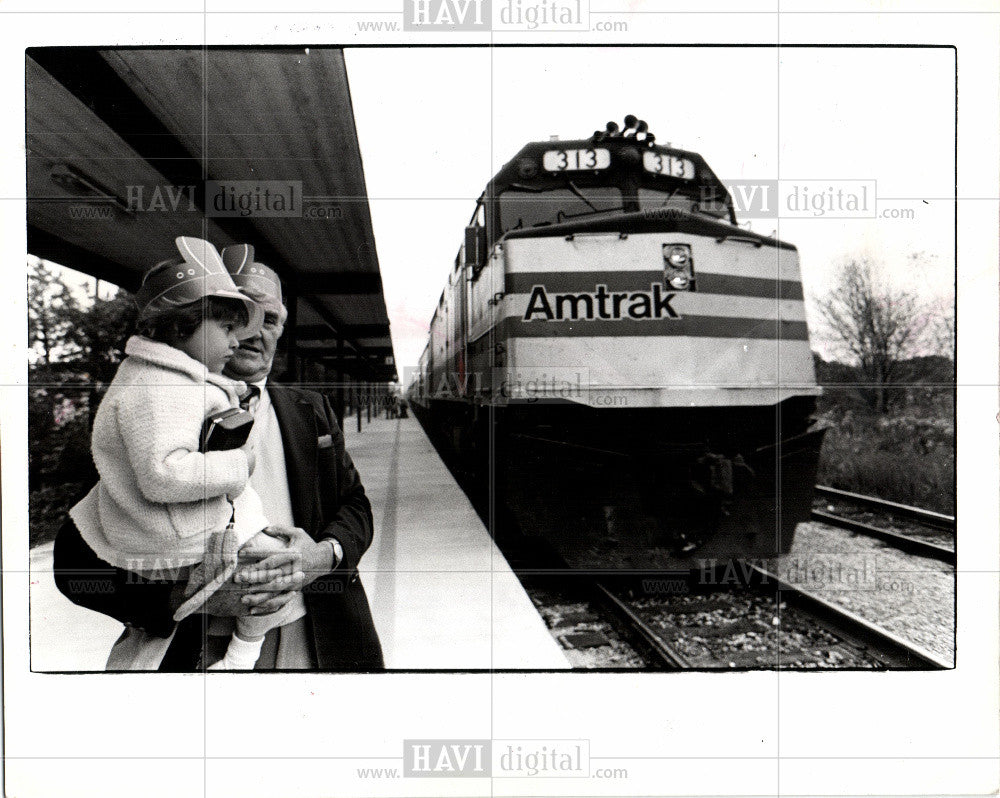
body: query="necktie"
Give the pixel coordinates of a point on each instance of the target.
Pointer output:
(252, 393)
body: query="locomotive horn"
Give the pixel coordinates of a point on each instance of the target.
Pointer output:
(612, 128)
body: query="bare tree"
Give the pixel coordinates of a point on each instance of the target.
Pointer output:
(941, 328)
(879, 326)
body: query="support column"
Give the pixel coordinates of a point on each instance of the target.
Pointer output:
(357, 394)
(338, 406)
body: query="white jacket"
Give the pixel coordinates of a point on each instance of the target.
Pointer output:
(159, 498)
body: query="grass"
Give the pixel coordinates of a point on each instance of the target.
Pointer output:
(907, 455)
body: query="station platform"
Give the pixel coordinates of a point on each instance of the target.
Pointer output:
(64, 637)
(442, 595)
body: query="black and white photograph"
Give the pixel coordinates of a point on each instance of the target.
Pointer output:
(580, 409)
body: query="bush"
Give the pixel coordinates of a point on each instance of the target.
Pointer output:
(47, 508)
(77, 346)
(907, 456)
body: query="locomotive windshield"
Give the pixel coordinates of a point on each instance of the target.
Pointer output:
(548, 183)
(530, 208)
(659, 199)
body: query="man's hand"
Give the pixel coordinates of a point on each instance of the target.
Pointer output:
(271, 578)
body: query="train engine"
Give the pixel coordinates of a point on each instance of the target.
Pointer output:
(620, 362)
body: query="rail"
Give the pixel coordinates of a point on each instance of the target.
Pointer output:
(921, 548)
(928, 517)
(896, 651)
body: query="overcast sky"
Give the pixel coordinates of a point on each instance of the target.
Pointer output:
(435, 124)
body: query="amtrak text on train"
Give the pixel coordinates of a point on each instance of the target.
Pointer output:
(600, 304)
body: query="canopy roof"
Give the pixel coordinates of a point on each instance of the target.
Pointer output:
(129, 148)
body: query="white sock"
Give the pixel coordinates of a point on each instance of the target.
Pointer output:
(241, 655)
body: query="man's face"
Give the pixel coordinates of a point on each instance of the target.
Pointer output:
(252, 361)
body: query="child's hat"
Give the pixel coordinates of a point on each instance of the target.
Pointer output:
(255, 278)
(198, 274)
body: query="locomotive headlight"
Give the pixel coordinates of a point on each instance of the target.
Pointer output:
(678, 256)
(678, 267)
(679, 280)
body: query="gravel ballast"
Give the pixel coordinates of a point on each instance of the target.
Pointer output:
(910, 596)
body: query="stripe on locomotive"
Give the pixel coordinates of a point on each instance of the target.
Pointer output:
(581, 254)
(707, 282)
(688, 327)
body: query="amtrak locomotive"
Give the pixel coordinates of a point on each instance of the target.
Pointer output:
(621, 361)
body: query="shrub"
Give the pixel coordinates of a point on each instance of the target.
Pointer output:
(47, 509)
(907, 456)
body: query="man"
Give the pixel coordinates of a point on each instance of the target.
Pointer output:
(313, 498)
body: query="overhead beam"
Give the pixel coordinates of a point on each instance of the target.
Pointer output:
(333, 323)
(95, 83)
(332, 361)
(367, 352)
(339, 283)
(321, 332)
(351, 366)
(43, 244)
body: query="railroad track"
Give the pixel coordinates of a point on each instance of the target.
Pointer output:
(926, 517)
(770, 624)
(644, 636)
(907, 543)
(892, 650)
(766, 623)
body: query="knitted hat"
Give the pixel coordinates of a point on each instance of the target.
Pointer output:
(198, 274)
(255, 278)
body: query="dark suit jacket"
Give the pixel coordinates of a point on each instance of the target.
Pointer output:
(328, 500)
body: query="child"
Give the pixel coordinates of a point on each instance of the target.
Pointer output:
(162, 508)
